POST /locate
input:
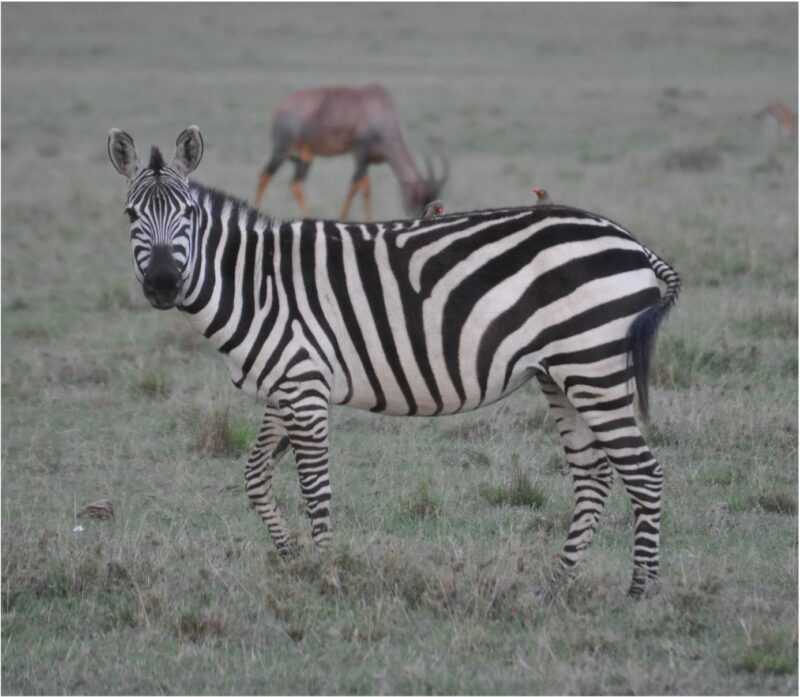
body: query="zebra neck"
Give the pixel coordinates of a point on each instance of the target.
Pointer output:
(230, 272)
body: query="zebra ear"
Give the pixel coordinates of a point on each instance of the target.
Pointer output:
(122, 152)
(188, 151)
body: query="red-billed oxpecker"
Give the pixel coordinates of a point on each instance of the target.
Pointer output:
(434, 208)
(542, 197)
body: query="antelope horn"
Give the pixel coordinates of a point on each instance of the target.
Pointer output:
(429, 168)
(432, 178)
(445, 169)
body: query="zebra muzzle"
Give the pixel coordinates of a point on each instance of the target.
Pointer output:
(162, 282)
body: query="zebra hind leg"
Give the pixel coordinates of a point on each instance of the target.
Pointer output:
(271, 445)
(606, 404)
(591, 478)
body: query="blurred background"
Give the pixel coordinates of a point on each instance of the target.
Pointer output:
(589, 102)
(652, 114)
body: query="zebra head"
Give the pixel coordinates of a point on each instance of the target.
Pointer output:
(163, 213)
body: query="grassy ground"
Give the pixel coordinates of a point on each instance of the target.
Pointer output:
(443, 527)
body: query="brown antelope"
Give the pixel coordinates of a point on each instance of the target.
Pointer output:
(330, 121)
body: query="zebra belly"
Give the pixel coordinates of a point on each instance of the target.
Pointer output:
(453, 405)
(422, 381)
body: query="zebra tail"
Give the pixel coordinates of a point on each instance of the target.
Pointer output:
(642, 333)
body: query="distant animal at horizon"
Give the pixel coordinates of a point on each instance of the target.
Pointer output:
(782, 118)
(332, 121)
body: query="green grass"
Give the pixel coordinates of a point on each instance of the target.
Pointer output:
(775, 653)
(519, 492)
(444, 528)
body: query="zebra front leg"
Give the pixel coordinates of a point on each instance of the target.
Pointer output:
(306, 423)
(591, 476)
(271, 445)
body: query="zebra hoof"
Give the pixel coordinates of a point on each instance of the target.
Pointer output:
(550, 594)
(321, 546)
(558, 579)
(643, 585)
(321, 536)
(288, 550)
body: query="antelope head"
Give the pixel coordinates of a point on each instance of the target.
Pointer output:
(418, 194)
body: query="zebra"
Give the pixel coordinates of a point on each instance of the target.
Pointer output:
(421, 317)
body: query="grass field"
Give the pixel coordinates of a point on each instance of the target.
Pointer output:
(444, 527)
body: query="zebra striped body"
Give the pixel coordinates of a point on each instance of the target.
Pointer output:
(421, 317)
(416, 317)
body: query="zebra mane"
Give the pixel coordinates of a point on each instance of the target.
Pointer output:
(217, 198)
(156, 160)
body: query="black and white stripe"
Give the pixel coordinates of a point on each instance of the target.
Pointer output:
(420, 317)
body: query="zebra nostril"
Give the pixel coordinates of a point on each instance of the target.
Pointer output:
(161, 285)
(162, 277)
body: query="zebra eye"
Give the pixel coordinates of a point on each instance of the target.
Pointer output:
(188, 212)
(132, 214)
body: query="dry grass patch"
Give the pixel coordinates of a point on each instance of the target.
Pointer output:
(769, 653)
(426, 502)
(198, 625)
(775, 322)
(182, 336)
(692, 159)
(460, 584)
(782, 502)
(216, 431)
(682, 361)
(81, 370)
(150, 381)
(116, 297)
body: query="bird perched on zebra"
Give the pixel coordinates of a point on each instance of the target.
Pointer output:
(433, 208)
(542, 197)
(101, 510)
(419, 317)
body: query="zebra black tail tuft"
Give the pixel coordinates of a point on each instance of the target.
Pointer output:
(644, 330)
(640, 341)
